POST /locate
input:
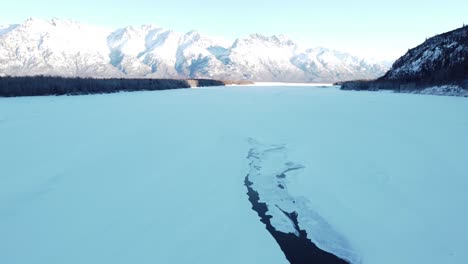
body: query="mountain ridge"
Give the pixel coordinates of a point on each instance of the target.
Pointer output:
(440, 61)
(71, 49)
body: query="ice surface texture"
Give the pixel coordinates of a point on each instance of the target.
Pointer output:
(158, 177)
(268, 176)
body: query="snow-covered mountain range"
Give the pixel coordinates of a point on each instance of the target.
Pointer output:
(69, 48)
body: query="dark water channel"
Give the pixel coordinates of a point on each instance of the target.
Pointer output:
(297, 249)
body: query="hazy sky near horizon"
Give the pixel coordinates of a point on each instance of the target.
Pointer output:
(380, 29)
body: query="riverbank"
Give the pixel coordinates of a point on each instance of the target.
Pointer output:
(47, 85)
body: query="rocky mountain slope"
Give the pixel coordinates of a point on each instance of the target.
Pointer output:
(68, 48)
(440, 61)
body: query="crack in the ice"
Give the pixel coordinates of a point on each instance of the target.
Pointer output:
(289, 219)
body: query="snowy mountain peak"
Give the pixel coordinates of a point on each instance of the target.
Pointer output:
(33, 22)
(70, 48)
(192, 36)
(64, 23)
(256, 38)
(7, 28)
(193, 33)
(282, 39)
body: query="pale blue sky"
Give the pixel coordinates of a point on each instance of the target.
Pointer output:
(383, 29)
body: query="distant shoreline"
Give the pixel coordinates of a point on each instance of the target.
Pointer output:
(48, 85)
(18, 86)
(284, 84)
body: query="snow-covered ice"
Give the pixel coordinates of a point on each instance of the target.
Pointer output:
(269, 84)
(269, 175)
(158, 177)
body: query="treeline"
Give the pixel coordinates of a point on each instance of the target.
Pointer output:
(47, 85)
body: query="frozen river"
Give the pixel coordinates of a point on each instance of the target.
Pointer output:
(159, 177)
